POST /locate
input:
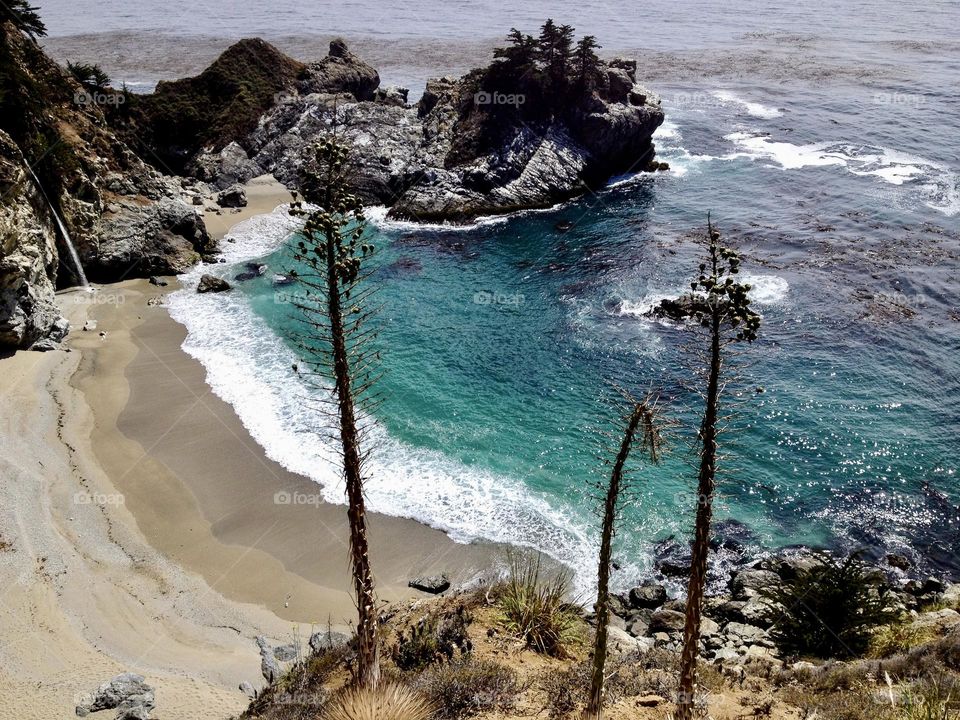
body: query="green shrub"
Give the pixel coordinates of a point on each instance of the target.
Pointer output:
(831, 610)
(467, 686)
(433, 638)
(537, 611)
(895, 638)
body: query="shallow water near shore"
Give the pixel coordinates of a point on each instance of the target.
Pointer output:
(825, 148)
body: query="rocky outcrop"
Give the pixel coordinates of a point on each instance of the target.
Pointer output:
(220, 105)
(340, 72)
(125, 218)
(28, 254)
(435, 161)
(127, 693)
(736, 624)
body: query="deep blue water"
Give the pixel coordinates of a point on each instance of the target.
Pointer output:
(824, 143)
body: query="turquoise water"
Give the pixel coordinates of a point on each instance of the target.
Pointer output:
(501, 344)
(828, 155)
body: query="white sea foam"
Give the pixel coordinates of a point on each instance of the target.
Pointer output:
(766, 290)
(753, 108)
(249, 366)
(681, 160)
(377, 214)
(935, 184)
(667, 130)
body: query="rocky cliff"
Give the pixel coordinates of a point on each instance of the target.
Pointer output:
(60, 156)
(28, 254)
(459, 153)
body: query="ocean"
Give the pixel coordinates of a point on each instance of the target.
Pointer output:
(822, 140)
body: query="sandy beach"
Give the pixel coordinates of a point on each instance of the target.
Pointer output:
(142, 529)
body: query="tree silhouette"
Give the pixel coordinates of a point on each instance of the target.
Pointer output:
(24, 17)
(586, 65)
(721, 306)
(333, 344)
(89, 75)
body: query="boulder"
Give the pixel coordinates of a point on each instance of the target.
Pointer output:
(433, 584)
(321, 642)
(668, 621)
(895, 560)
(233, 197)
(393, 95)
(740, 634)
(648, 595)
(270, 668)
(746, 584)
(127, 693)
(286, 653)
(618, 85)
(620, 643)
(211, 283)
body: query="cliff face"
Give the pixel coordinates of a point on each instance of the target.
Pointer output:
(460, 152)
(125, 218)
(28, 254)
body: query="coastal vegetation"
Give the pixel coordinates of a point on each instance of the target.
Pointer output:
(24, 16)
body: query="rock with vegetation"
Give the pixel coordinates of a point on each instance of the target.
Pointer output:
(528, 131)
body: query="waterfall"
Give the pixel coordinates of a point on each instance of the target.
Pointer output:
(63, 231)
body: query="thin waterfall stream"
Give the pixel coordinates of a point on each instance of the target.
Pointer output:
(74, 257)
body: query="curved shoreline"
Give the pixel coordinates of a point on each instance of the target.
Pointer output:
(288, 556)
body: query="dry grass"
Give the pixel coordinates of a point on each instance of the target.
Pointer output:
(468, 686)
(896, 638)
(387, 702)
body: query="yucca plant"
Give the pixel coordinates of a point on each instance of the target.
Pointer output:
(935, 699)
(720, 305)
(386, 702)
(536, 610)
(642, 425)
(333, 340)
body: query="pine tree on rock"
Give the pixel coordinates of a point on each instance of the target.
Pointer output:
(586, 65)
(24, 16)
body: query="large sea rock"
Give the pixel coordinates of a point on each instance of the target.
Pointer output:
(416, 160)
